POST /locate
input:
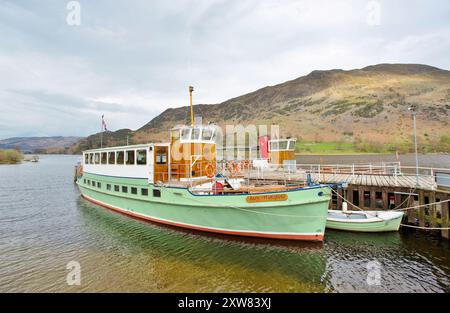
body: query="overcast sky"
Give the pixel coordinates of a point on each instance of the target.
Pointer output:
(130, 60)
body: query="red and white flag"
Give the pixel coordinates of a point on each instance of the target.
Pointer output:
(104, 124)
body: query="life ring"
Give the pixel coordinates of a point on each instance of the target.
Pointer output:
(210, 170)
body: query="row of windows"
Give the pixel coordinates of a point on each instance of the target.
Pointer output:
(127, 157)
(123, 189)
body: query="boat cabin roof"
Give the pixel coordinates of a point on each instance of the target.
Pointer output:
(131, 147)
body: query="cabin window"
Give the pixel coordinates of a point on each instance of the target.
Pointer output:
(99, 185)
(120, 157)
(111, 157)
(96, 158)
(134, 190)
(124, 189)
(195, 133)
(91, 158)
(108, 186)
(156, 193)
(292, 145)
(185, 133)
(144, 191)
(141, 157)
(86, 158)
(207, 134)
(88, 181)
(274, 145)
(161, 157)
(84, 181)
(116, 188)
(93, 183)
(283, 145)
(129, 157)
(104, 158)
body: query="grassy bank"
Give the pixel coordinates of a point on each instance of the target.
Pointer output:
(10, 156)
(366, 147)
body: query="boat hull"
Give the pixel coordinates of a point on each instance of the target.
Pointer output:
(385, 224)
(302, 216)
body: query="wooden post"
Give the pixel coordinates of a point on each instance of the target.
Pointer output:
(349, 193)
(411, 213)
(444, 219)
(361, 197)
(384, 195)
(432, 209)
(422, 209)
(372, 199)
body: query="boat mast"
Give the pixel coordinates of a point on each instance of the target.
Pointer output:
(191, 89)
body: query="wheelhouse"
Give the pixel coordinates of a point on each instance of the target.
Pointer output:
(282, 150)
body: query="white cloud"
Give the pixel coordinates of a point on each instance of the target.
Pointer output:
(133, 59)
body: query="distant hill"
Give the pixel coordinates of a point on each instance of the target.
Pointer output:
(368, 104)
(56, 144)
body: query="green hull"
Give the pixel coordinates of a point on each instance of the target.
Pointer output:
(301, 217)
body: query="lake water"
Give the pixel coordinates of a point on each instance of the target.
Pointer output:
(44, 224)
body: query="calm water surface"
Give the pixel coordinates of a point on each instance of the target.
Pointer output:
(44, 224)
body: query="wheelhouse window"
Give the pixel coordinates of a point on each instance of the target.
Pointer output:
(91, 158)
(195, 134)
(97, 158)
(274, 145)
(86, 158)
(111, 157)
(141, 157)
(129, 157)
(207, 134)
(185, 133)
(104, 157)
(120, 157)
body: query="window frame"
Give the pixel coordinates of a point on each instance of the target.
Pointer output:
(127, 158)
(145, 156)
(109, 157)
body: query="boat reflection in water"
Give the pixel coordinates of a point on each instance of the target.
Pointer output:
(149, 257)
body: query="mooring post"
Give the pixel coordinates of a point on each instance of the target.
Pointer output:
(384, 195)
(432, 209)
(411, 213)
(361, 196)
(422, 209)
(444, 219)
(372, 198)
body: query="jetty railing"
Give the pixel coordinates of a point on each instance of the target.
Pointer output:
(377, 174)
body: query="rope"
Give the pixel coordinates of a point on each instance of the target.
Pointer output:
(420, 227)
(422, 205)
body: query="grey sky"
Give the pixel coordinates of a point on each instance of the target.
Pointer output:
(130, 60)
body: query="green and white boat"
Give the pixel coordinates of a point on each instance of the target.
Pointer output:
(364, 221)
(176, 183)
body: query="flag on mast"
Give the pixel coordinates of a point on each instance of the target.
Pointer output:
(104, 124)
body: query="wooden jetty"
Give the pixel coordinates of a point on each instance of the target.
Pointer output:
(375, 187)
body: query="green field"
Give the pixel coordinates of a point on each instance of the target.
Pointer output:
(361, 147)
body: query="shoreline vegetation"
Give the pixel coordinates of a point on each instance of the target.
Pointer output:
(10, 156)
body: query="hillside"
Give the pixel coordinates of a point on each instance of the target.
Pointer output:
(57, 144)
(362, 105)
